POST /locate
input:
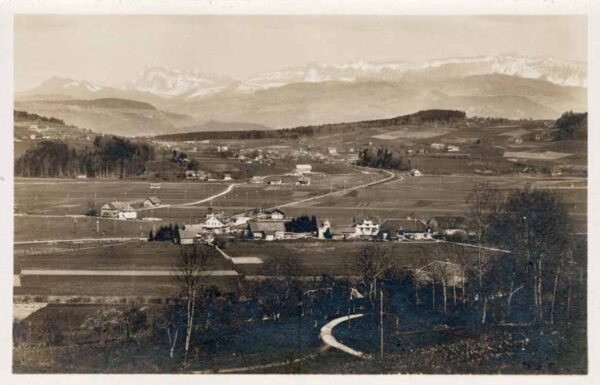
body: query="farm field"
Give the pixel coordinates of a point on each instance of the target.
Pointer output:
(132, 257)
(73, 197)
(336, 258)
(54, 199)
(36, 228)
(426, 196)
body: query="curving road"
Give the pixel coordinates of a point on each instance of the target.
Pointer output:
(328, 338)
(391, 175)
(224, 192)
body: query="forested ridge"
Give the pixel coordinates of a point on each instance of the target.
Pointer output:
(109, 156)
(420, 117)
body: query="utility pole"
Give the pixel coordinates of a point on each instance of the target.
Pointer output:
(381, 324)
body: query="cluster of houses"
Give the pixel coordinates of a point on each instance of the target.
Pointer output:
(397, 228)
(270, 225)
(124, 210)
(257, 224)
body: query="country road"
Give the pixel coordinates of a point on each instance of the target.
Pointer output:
(391, 176)
(224, 192)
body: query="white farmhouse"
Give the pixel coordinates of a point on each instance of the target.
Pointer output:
(303, 168)
(118, 210)
(214, 225)
(366, 227)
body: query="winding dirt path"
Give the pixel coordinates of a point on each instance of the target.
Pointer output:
(328, 338)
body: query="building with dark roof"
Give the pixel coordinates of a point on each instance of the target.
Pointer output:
(408, 228)
(267, 230)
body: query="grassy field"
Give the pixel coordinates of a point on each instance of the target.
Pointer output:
(315, 258)
(33, 228)
(426, 196)
(131, 256)
(68, 196)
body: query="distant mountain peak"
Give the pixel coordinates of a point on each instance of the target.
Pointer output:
(57, 83)
(168, 82)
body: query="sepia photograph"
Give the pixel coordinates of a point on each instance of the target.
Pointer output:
(299, 194)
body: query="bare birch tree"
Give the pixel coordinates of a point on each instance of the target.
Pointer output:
(189, 271)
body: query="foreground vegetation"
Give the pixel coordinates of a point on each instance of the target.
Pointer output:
(109, 157)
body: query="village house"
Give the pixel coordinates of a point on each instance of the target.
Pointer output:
(415, 172)
(408, 228)
(453, 149)
(366, 227)
(303, 181)
(275, 182)
(215, 224)
(227, 176)
(190, 175)
(332, 150)
(268, 230)
(438, 146)
(303, 169)
(342, 232)
(151, 202)
(275, 214)
(447, 225)
(119, 210)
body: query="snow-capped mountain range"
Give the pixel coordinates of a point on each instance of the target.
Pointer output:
(193, 84)
(510, 86)
(169, 82)
(560, 72)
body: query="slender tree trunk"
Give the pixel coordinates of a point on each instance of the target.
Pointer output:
(445, 297)
(569, 298)
(554, 294)
(417, 293)
(464, 284)
(190, 323)
(510, 294)
(172, 341)
(540, 291)
(484, 314)
(535, 295)
(433, 294)
(454, 293)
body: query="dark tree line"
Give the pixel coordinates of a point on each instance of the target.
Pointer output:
(572, 125)
(166, 234)
(24, 115)
(381, 158)
(109, 156)
(302, 224)
(528, 265)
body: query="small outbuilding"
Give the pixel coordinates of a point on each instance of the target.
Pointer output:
(151, 202)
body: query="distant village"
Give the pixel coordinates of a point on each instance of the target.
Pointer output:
(274, 224)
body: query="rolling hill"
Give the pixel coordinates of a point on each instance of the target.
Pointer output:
(509, 86)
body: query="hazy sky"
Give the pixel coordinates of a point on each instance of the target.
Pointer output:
(111, 50)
